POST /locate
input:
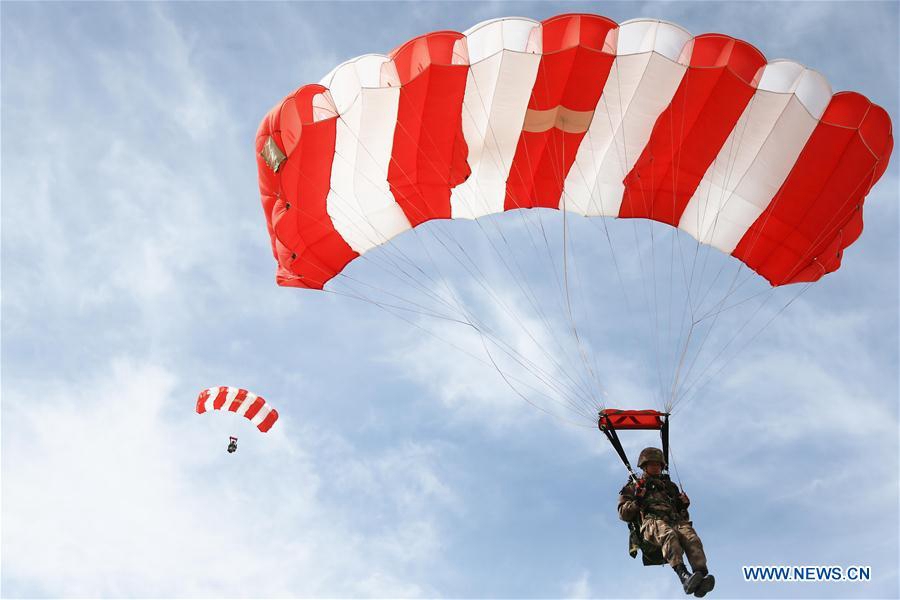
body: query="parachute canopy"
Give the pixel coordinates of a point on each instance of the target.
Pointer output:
(759, 159)
(698, 140)
(240, 401)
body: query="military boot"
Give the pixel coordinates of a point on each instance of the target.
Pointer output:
(688, 582)
(706, 584)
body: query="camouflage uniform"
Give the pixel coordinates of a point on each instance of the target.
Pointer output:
(664, 520)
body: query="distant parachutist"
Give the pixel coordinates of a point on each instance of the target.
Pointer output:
(240, 402)
(232, 444)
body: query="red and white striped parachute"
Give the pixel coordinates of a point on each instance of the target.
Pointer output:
(757, 159)
(240, 401)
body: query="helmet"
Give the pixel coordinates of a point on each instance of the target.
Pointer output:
(650, 455)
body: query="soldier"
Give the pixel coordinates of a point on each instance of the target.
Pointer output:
(660, 512)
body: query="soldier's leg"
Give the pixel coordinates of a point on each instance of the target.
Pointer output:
(662, 534)
(692, 545)
(657, 531)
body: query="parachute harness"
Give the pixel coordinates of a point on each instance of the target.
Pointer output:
(611, 419)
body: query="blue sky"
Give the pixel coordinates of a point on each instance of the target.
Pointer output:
(136, 271)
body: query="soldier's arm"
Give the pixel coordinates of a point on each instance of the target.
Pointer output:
(628, 504)
(681, 499)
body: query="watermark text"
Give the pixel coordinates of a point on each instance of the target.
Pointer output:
(800, 573)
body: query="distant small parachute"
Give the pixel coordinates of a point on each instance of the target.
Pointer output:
(240, 401)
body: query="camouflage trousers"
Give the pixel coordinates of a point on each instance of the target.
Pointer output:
(675, 539)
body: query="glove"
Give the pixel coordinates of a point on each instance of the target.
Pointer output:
(639, 489)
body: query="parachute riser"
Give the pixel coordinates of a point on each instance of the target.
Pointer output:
(649, 419)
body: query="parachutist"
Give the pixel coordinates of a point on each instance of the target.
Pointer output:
(660, 525)
(232, 444)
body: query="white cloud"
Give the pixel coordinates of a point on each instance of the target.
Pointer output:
(111, 491)
(580, 587)
(139, 156)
